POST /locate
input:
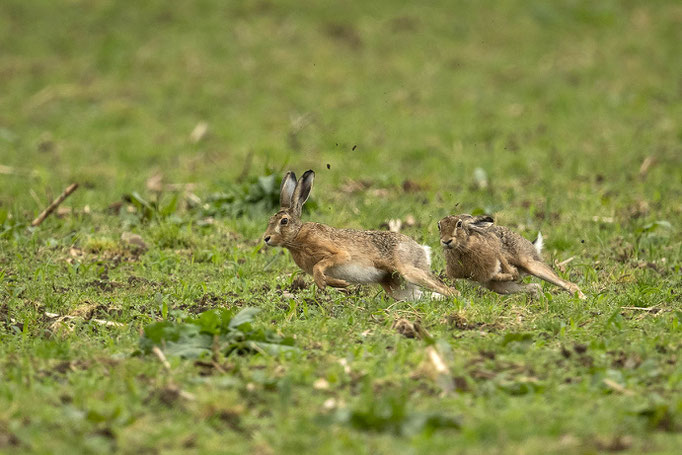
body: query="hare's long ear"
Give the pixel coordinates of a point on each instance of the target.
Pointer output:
(483, 221)
(302, 191)
(286, 190)
(478, 224)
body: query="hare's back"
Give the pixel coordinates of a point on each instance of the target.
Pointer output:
(516, 244)
(378, 247)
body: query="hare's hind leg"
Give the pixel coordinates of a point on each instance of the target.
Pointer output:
(543, 271)
(424, 278)
(400, 289)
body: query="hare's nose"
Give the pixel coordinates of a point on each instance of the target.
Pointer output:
(267, 239)
(446, 242)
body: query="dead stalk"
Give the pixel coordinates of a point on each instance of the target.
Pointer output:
(162, 357)
(50, 208)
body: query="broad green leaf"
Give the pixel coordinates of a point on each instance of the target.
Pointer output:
(244, 316)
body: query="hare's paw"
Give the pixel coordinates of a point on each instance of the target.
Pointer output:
(505, 277)
(436, 296)
(576, 290)
(534, 290)
(320, 279)
(336, 283)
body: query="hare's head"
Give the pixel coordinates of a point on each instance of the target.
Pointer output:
(285, 224)
(455, 229)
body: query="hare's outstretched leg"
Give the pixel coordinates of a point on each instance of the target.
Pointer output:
(322, 280)
(423, 278)
(512, 287)
(400, 290)
(543, 271)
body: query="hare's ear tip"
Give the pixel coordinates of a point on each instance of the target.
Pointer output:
(308, 172)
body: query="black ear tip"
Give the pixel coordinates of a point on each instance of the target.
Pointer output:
(308, 172)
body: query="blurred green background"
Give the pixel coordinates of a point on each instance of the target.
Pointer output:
(539, 94)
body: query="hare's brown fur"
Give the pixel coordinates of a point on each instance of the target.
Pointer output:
(340, 257)
(494, 256)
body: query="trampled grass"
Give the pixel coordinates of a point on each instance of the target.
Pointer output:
(560, 116)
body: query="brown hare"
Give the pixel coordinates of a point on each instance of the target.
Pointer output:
(494, 256)
(340, 257)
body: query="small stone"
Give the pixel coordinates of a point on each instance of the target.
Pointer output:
(133, 240)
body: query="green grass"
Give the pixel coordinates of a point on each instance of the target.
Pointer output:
(558, 102)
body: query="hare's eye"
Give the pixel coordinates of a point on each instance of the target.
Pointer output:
(284, 221)
(459, 223)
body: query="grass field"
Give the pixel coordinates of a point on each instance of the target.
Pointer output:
(178, 119)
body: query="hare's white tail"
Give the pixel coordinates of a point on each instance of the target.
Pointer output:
(539, 243)
(427, 251)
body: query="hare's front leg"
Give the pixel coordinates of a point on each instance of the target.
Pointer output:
(321, 279)
(504, 271)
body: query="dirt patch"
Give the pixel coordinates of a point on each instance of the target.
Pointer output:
(622, 359)
(410, 186)
(491, 355)
(298, 284)
(62, 367)
(7, 438)
(580, 348)
(614, 444)
(60, 289)
(103, 257)
(211, 300)
(565, 352)
(460, 322)
(461, 383)
(586, 361)
(88, 310)
(621, 250)
(104, 285)
(209, 368)
(344, 33)
(408, 329)
(404, 24)
(138, 280)
(355, 186)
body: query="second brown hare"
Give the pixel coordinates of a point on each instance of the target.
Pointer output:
(494, 256)
(340, 257)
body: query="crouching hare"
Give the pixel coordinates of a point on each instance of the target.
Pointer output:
(340, 257)
(494, 256)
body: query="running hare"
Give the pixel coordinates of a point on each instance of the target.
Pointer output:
(494, 256)
(340, 257)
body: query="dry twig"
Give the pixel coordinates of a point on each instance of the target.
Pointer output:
(162, 357)
(50, 208)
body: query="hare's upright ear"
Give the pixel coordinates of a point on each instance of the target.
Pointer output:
(286, 190)
(302, 191)
(483, 221)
